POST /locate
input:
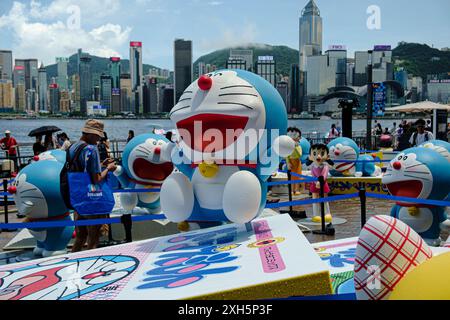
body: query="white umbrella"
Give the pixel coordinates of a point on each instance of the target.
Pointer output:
(424, 106)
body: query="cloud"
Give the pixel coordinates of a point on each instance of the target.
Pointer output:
(230, 37)
(99, 8)
(46, 40)
(215, 3)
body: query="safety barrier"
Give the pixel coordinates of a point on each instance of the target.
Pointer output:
(128, 219)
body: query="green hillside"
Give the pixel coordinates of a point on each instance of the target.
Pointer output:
(284, 56)
(421, 59)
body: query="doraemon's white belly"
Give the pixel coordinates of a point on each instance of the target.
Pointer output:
(420, 222)
(209, 191)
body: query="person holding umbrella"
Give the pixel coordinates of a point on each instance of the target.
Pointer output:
(10, 144)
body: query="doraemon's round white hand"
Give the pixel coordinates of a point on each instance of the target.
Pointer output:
(284, 146)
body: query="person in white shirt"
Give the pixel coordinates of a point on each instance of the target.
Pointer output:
(64, 141)
(421, 136)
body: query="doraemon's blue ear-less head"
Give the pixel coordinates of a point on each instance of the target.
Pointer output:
(442, 147)
(53, 155)
(37, 190)
(233, 104)
(306, 146)
(343, 149)
(418, 173)
(142, 159)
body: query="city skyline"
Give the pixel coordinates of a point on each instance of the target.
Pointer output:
(211, 25)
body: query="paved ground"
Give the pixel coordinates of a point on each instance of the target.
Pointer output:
(347, 209)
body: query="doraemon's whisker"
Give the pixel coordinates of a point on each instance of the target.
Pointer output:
(236, 86)
(184, 99)
(346, 151)
(170, 114)
(235, 103)
(187, 92)
(411, 176)
(238, 94)
(388, 174)
(31, 197)
(27, 190)
(418, 172)
(416, 165)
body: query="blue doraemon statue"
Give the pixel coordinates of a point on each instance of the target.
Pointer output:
(52, 155)
(442, 147)
(344, 152)
(37, 195)
(143, 168)
(232, 125)
(420, 173)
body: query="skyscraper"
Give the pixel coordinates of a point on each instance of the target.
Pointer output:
(266, 68)
(54, 97)
(6, 65)
(183, 67)
(84, 70)
(137, 73)
(105, 92)
(76, 95)
(294, 89)
(6, 95)
(62, 78)
(310, 33)
(125, 92)
(243, 54)
(20, 97)
(42, 79)
(282, 88)
(114, 72)
(19, 74)
(236, 64)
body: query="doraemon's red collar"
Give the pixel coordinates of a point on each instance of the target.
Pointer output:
(60, 217)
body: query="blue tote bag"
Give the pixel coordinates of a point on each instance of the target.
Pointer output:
(88, 198)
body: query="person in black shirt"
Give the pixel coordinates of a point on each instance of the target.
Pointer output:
(38, 147)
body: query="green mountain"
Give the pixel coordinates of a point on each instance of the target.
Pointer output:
(99, 65)
(284, 56)
(421, 59)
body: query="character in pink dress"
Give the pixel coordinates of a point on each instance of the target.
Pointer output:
(320, 163)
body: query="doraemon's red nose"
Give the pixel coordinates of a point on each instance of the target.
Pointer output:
(157, 150)
(337, 152)
(36, 158)
(12, 190)
(397, 165)
(204, 83)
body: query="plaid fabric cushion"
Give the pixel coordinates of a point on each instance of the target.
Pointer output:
(387, 249)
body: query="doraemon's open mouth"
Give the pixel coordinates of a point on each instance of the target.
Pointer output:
(147, 170)
(192, 130)
(407, 188)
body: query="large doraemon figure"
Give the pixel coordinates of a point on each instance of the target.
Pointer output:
(232, 125)
(52, 155)
(37, 195)
(143, 168)
(443, 147)
(344, 152)
(420, 173)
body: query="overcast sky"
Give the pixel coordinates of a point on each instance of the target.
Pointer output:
(45, 29)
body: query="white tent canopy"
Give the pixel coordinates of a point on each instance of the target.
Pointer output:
(424, 106)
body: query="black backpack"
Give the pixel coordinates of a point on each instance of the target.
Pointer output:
(71, 165)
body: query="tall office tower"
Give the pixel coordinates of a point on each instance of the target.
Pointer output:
(30, 72)
(105, 92)
(42, 79)
(350, 73)
(294, 89)
(125, 92)
(84, 69)
(321, 75)
(282, 87)
(201, 69)
(6, 95)
(54, 98)
(62, 79)
(337, 56)
(360, 74)
(115, 71)
(236, 64)
(6, 65)
(19, 74)
(152, 86)
(166, 98)
(64, 101)
(20, 97)
(265, 66)
(137, 75)
(243, 54)
(310, 33)
(183, 67)
(76, 95)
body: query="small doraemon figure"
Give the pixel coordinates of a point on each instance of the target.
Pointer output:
(232, 125)
(420, 173)
(348, 162)
(143, 168)
(37, 195)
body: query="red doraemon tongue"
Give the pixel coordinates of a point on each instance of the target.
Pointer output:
(151, 171)
(410, 188)
(196, 138)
